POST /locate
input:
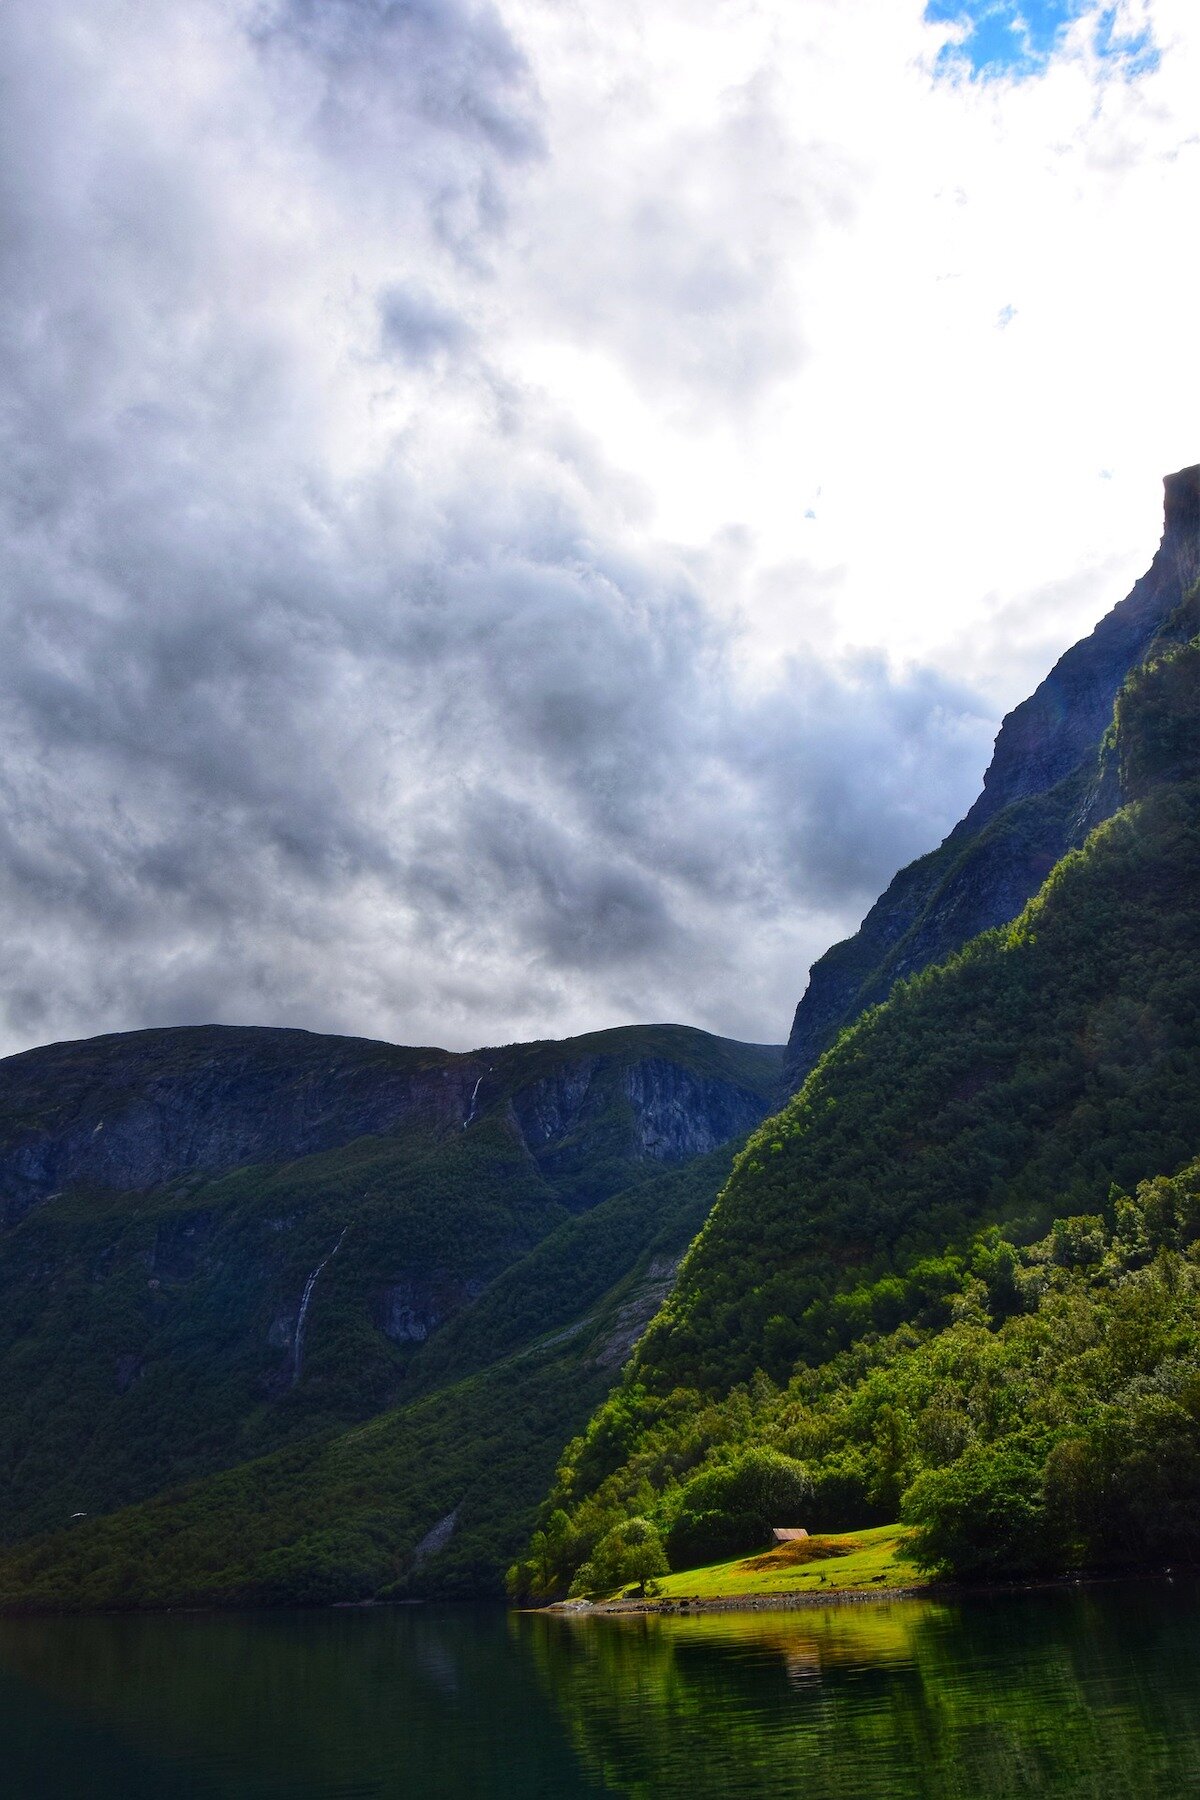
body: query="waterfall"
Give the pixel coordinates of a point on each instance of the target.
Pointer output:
(301, 1316)
(474, 1095)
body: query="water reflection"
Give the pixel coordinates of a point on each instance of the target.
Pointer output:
(311, 1706)
(1084, 1693)
(1089, 1693)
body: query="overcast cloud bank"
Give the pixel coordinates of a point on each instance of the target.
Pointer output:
(370, 658)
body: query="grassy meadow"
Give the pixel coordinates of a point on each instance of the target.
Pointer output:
(871, 1561)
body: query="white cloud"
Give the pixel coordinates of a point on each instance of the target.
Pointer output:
(949, 465)
(515, 518)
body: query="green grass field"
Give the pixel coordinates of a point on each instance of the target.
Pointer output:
(872, 1561)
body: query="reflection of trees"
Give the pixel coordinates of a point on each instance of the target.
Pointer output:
(1090, 1693)
(1055, 1693)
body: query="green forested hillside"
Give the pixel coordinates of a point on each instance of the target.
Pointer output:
(1040, 1074)
(340, 1516)
(146, 1339)
(1046, 1061)
(1025, 1410)
(575, 1267)
(151, 1335)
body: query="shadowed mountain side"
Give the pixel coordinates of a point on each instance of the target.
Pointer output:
(435, 1496)
(201, 1313)
(1042, 793)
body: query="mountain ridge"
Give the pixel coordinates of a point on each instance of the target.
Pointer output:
(1042, 793)
(130, 1110)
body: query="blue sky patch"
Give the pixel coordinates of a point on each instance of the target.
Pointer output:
(1005, 38)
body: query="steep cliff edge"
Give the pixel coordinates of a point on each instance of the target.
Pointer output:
(1042, 794)
(135, 1109)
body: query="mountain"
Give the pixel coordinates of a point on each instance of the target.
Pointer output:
(219, 1241)
(286, 1318)
(1042, 794)
(433, 1495)
(136, 1109)
(1045, 1061)
(983, 1127)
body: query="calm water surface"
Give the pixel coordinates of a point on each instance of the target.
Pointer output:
(1092, 1692)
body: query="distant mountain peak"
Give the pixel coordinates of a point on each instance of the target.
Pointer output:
(1041, 795)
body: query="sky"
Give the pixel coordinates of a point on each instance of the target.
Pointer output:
(517, 518)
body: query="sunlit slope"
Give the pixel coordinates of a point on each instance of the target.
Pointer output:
(878, 1295)
(873, 1561)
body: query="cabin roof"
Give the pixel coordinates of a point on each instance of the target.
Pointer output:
(788, 1534)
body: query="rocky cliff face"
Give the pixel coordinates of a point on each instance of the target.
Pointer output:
(655, 1108)
(1062, 722)
(1043, 792)
(131, 1111)
(136, 1109)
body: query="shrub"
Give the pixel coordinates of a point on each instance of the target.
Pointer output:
(708, 1537)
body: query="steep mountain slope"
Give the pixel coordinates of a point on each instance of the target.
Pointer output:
(222, 1240)
(1026, 1409)
(1047, 1059)
(1044, 1063)
(434, 1496)
(1041, 796)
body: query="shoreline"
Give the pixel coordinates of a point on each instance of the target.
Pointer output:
(796, 1602)
(782, 1602)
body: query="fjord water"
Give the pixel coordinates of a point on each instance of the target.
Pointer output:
(1089, 1692)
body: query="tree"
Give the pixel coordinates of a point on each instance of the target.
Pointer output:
(981, 1515)
(631, 1551)
(645, 1559)
(731, 1507)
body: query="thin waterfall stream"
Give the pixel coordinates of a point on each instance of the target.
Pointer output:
(474, 1097)
(302, 1315)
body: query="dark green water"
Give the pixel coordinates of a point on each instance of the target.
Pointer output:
(1092, 1692)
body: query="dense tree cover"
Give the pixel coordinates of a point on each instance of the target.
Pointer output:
(1157, 721)
(1045, 1061)
(632, 1552)
(336, 1518)
(341, 1516)
(147, 1339)
(1028, 1409)
(574, 1266)
(731, 1508)
(849, 1266)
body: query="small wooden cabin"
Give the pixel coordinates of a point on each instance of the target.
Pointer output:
(788, 1534)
